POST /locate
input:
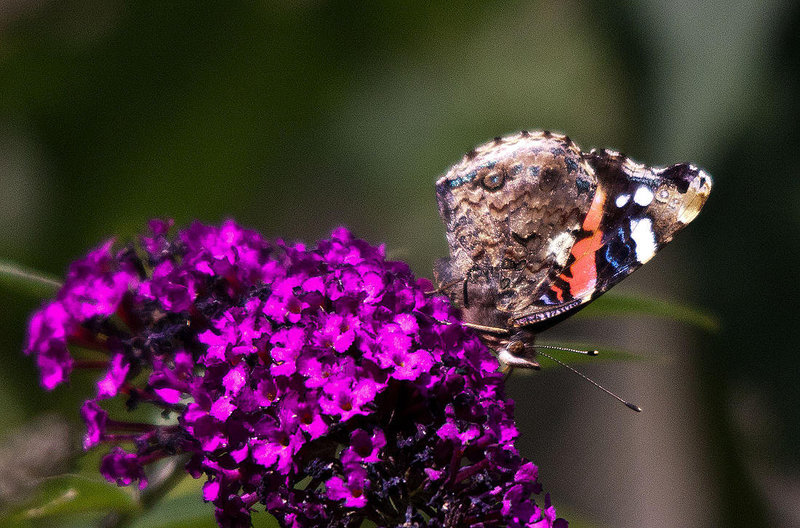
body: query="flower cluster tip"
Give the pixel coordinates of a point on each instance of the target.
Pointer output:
(322, 383)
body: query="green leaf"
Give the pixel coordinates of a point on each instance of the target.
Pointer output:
(184, 511)
(27, 281)
(264, 520)
(189, 511)
(72, 494)
(616, 305)
(577, 521)
(183, 507)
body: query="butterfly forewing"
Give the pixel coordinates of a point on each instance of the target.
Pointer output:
(537, 229)
(640, 211)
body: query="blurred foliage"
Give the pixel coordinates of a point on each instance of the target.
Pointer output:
(80, 500)
(27, 282)
(65, 496)
(615, 304)
(296, 117)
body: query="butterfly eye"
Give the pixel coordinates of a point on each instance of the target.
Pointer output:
(494, 180)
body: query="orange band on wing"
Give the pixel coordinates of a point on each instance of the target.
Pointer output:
(584, 269)
(595, 214)
(558, 291)
(582, 274)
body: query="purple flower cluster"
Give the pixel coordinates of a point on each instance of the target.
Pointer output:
(322, 383)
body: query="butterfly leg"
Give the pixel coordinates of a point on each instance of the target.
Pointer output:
(443, 287)
(487, 329)
(479, 328)
(517, 351)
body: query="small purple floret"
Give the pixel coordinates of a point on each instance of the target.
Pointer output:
(95, 419)
(123, 468)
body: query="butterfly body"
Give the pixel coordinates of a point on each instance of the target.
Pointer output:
(537, 228)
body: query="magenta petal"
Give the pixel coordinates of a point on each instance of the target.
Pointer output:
(95, 419)
(114, 378)
(234, 380)
(222, 408)
(210, 490)
(167, 395)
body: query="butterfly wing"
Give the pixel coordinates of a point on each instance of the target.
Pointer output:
(513, 209)
(635, 211)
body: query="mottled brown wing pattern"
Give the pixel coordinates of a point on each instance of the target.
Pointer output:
(512, 209)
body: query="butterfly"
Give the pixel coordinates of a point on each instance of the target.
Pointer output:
(537, 229)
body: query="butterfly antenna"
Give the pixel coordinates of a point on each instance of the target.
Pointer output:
(627, 404)
(566, 349)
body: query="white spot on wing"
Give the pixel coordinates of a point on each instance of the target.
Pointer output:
(622, 199)
(643, 196)
(560, 246)
(642, 233)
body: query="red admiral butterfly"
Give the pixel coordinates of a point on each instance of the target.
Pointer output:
(537, 229)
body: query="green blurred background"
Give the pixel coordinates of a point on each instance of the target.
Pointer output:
(296, 117)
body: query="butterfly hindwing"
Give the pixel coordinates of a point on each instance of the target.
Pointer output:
(513, 210)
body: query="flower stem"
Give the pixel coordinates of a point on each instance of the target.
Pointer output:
(168, 477)
(27, 280)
